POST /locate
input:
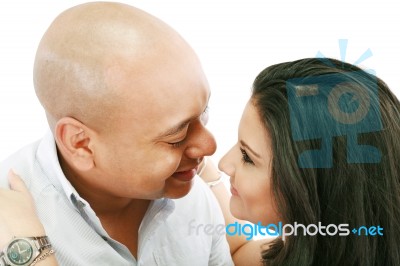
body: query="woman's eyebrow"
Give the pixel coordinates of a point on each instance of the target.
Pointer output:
(244, 144)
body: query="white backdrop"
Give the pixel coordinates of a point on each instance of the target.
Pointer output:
(235, 40)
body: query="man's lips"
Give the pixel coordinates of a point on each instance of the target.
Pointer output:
(234, 191)
(185, 175)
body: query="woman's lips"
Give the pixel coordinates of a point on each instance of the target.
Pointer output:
(185, 175)
(234, 191)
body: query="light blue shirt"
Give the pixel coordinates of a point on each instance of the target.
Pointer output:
(79, 239)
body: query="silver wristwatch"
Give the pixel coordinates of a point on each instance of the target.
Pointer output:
(22, 251)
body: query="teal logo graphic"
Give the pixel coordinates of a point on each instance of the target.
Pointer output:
(332, 105)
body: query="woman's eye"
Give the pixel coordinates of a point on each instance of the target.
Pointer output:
(245, 157)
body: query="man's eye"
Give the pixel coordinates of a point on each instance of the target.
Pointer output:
(177, 144)
(245, 157)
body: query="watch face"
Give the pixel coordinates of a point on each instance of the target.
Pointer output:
(19, 251)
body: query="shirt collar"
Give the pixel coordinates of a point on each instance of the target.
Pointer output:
(48, 159)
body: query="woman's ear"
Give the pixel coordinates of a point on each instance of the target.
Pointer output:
(73, 140)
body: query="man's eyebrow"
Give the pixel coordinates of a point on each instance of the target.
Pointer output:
(175, 129)
(248, 148)
(180, 126)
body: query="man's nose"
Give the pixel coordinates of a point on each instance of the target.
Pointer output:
(202, 143)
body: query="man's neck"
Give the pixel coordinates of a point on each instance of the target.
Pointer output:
(124, 226)
(120, 217)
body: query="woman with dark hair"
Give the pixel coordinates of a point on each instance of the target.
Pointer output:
(318, 145)
(317, 157)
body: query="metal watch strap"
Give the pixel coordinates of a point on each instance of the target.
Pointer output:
(2, 260)
(41, 243)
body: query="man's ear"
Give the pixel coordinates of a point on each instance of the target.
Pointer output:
(74, 142)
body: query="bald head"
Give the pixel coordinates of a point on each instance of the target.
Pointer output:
(91, 48)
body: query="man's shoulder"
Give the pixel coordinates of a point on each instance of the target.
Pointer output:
(22, 162)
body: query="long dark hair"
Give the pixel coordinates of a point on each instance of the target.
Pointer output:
(364, 193)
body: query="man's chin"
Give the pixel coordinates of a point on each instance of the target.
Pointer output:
(176, 189)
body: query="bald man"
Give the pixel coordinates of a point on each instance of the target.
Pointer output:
(114, 181)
